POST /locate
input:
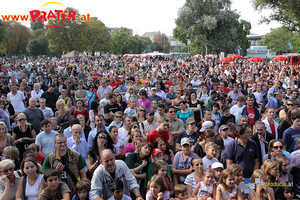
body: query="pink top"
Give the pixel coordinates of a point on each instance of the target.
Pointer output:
(129, 148)
(145, 102)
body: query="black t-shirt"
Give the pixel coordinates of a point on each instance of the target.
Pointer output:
(227, 120)
(110, 108)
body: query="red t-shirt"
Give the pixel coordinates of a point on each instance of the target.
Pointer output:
(153, 135)
(94, 79)
(40, 159)
(272, 126)
(251, 116)
(169, 83)
(113, 84)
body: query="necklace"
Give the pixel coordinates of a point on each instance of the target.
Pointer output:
(2, 138)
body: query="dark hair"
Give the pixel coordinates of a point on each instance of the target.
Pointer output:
(27, 152)
(94, 105)
(74, 121)
(215, 105)
(225, 107)
(51, 85)
(116, 184)
(156, 145)
(295, 116)
(111, 128)
(83, 185)
(109, 143)
(99, 115)
(280, 191)
(169, 107)
(111, 96)
(45, 122)
(161, 106)
(50, 172)
(141, 146)
(80, 101)
(30, 159)
(240, 129)
(142, 91)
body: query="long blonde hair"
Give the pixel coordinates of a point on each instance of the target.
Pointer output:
(258, 173)
(267, 166)
(24, 116)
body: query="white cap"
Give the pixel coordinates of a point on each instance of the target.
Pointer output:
(217, 165)
(206, 125)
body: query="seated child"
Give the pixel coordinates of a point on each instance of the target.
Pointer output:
(181, 193)
(157, 155)
(38, 156)
(131, 110)
(211, 151)
(55, 188)
(218, 168)
(116, 188)
(12, 153)
(283, 164)
(82, 190)
(205, 189)
(29, 153)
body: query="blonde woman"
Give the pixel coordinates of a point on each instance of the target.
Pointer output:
(129, 91)
(23, 134)
(63, 115)
(12, 153)
(9, 180)
(5, 138)
(141, 115)
(37, 92)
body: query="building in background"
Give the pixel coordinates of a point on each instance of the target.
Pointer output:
(258, 51)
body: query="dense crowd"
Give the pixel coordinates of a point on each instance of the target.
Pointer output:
(151, 128)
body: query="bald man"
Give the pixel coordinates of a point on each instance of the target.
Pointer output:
(78, 144)
(106, 172)
(34, 115)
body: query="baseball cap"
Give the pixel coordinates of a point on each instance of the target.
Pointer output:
(217, 165)
(190, 120)
(223, 127)
(150, 112)
(153, 88)
(206, 125)
(184, 141)
(156, 151)
(146, 82)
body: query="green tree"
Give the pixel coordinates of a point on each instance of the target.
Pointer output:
(34, 47)
(243, 29)
(162, 40)
(144, 44)
(97, 37)
(3, 32)
(123, 42)
(36, 25)
(17, 38)
(37, 33)
(208, 23)
(284, 11)
(67, 37)
(278, 40)
(157, 47)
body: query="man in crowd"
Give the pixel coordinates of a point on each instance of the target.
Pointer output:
(51, 98)
(48, 113)
(161, 112)
(188, 133)
(34, 115)
(250, 110)
(235, 94)
(16, 98)
(110, 109)
(101, 89)
(149, 124)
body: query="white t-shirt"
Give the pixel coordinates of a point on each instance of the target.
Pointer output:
(258, 97)
(208, 163)
(103, 103)
(130, 112)
(122, 133)
(32, 192)
(17, 101)
(47, 112)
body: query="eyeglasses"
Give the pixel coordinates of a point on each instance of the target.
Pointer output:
(101, 137)
(177, 92)
(23, 119)
(289, 104)
(136, 126)
(278, 147)
(6, 171)
(118, 116)
(172, 111)
(143, 110)
(60, 143)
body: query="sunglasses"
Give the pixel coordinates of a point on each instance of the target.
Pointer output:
(23, 119)
(118, 116)
(278, 147)
(173, 111)
(289, 104)
(101, 137)
(136, 126)
(143, 110)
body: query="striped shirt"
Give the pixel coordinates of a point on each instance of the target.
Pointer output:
(46, 142)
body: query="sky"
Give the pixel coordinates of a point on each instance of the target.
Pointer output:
(139, 15)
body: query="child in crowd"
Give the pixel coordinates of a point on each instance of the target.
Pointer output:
(285, 193)
(157, 156)
(207, 136)
(195, 177)
(231, 130)
(238, 173)
(12, 153)
(158, 190)
(118, 120)
(162, 168)
(261, 191)
(55, 188)
(29, 153)
(283, 164)
(38, 156)
(211, 150)
(131, 110)
(82, 190)
(118, 144)
(224, 134)
(133, 142)
(227, 117)
(181, 193)
(218, 168)
(116, 188)
(271, 170)
(226, 188)
(205, 188)
(207, 117)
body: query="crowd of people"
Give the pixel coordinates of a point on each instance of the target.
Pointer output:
(151, 128)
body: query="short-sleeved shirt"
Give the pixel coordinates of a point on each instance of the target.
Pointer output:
(180, 163)
(153, 135)
(193, 138)
(243, 156)
(13, 187)
(46, 142)
(62, 189)
(17, 101)
(184, 116)
(290, 137)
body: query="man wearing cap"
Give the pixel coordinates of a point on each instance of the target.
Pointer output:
(211, 99)
(146, 87)
(182, 161)
(160, 132)
(154, 96)
(101, 89)
(235, 94)
(149, 124)
(188, 133)
(217, 138)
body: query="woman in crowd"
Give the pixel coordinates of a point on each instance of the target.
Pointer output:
(134, 141)
(12, 153)
(177, 100)
(207, 136)
(121, 103)
(7, 106)
(275, 148)
(144, 101)
(93, 112)
(80, 110)
(70, 106)
(101, 141)
(85, 127)
(271, 124)
(90, 96)
(141, 114)
(62, 114)
(168, 154)
(129, 91)
(184, 112)
(195, 106)
(24, 134)
(9, 180)
(31, 183)
(5, 138)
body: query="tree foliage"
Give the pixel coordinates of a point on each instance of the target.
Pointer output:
(281, 40)
(37, 33)
(17, 38)
(243, 29)
(123, 42)
(284, 11)
(208, 23)
(3, 32)
(162, 40)
(36, 25)
(97, 37)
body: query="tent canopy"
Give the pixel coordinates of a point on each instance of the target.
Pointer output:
(73, 54)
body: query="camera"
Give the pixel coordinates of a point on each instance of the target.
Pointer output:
(63, 160)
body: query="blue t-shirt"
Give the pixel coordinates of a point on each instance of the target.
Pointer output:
(290, 137)
(193, 138)
(184, 116)
(46, 142)
(180, 163)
